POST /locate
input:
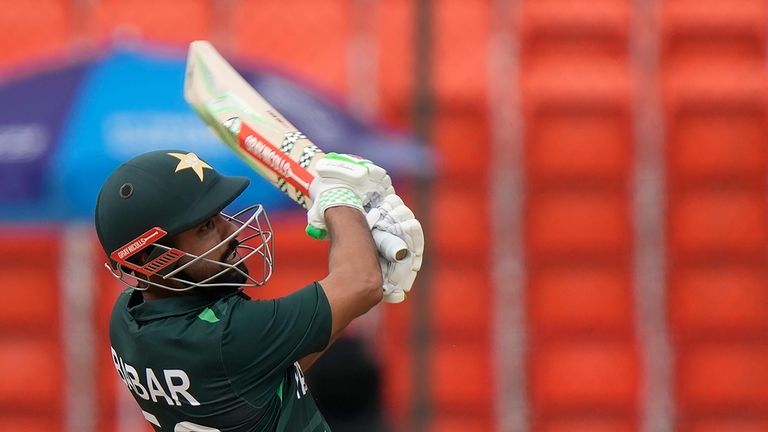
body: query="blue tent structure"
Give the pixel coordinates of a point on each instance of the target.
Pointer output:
(63, 130)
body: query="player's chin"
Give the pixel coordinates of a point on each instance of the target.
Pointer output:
(233, 276)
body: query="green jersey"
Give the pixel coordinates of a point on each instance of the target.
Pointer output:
(208, 364)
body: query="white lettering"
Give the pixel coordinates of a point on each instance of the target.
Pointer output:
(116, 360)
(181, 388)
(177, 383)
(155, 389)
(133, 378)
(268, 156)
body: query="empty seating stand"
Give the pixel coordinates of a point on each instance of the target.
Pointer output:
(583, 370)
(30, 344)
(715, 95)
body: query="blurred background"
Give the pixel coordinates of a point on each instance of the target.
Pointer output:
(591, 176)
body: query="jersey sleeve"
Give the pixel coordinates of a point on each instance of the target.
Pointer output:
(263, 338)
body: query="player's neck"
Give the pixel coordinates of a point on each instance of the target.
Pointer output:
(156, 294)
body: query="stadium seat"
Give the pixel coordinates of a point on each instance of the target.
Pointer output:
(586, 423)
(461, 300)
(33, 29)
(393, 25)
(735, 423)
(716, 143)
(579, 300)
(459, 220)
(304, 37)
(719, 30)
(158, 21)
(14, 422)
(576, 82)
(460, 48)
(579, 222)
(33, 374)
(462, 139)
(724, 378)
(718, 301)
(568, 143)
(725, 223)
(597, 28)
(20, 276)
(461, 376)
(452, 421)
(393, 349)
(577, 111)
(583, 375)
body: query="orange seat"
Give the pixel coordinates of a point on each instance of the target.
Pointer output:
(576, 82)
(393, 24)
(718, 144)
(29, 262)
(722, 378)
(453, 421)
(714, 29)
(718, 222)
(305, 37)
(586, 423)
(583, 375)
(461, 374)
(571, 144)
(160, 21)
(20, 276)
(735, 423)
(462, 140)
(551, 28)
(458, 224)
(34, 29)
(713, 301)
(394, 349)
(32, 423)
(461, 37)
(574, 299)
(576, 223)
(33, 374)
(461, 300)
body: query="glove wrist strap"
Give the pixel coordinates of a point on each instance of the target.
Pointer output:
(337, 197)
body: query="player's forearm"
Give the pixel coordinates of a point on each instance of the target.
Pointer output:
(353, 285)
(353, 255)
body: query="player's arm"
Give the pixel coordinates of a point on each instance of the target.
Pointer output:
(353, 285)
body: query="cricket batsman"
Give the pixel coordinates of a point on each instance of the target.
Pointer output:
(196, 353)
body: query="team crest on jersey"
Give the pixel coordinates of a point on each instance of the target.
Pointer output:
(190, 161)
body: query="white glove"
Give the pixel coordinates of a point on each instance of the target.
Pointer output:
(344, 180)
(394, 217)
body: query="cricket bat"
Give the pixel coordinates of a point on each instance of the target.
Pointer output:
(258, 133)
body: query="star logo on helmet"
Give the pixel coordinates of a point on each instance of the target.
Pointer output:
(191, 161)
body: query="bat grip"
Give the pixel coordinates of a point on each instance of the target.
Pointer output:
(390, 246)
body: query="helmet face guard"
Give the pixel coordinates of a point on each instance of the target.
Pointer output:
(254, 243)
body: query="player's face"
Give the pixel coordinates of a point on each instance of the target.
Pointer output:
(205, 237)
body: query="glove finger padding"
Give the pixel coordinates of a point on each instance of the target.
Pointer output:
(393, 216)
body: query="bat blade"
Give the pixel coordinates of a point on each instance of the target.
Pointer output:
(257, 132)
(248, 124)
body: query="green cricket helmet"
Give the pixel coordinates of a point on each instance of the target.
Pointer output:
(162, 193)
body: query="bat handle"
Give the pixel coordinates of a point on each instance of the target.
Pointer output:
(391, 247)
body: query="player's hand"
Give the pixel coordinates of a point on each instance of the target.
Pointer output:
(344, 180)
(394, 217)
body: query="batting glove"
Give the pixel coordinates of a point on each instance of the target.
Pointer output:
(394, 217)
(344, 180)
